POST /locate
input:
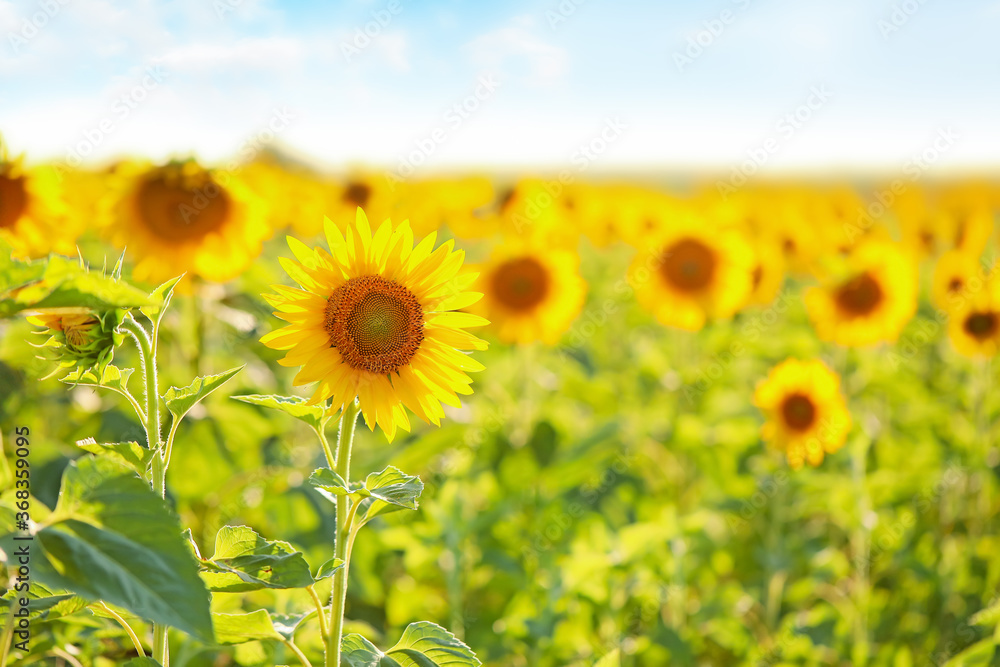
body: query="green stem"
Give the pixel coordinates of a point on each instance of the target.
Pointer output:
(151, 424)
(298, 653)
(125, 626)
(8, 635)
(338, 598)
(320, 612)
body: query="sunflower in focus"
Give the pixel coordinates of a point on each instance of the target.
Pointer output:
(806, 415)
(870, 300)
(532, 291)
(33, 219)
(952, 275)
(374, 319)
(974, 324)
(182, 217)
(689, 274)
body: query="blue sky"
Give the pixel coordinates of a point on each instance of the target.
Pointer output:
(206, 76)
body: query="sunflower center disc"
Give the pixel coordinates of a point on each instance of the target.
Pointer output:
(688, 265)
(377, 325)
(13, 200)
(357, 194)
(521, 284)
(981, 326)
(798, 412)
(859, 296)
(177, 210)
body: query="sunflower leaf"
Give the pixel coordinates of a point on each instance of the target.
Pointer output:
(111, 377)
(295, 406)
(160, 299)
(112, 538)
(424, 644)
(356, 651)
(181, 399)
(388, 491)
(328, 568)
(142, 662)
(245, 561)
(240, 628)
(130, 453)
(330, 484)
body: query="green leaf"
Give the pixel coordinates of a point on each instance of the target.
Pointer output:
(245, 561)
(45, 604)
(423, 644)
(132, 454)
(181, 399)
(112, 538)
(111, 377)
(240, 628)
(330, 484)
(328, 568)
(294, 406)
(287, 624)
(66, 284)
(389, 491)
(356, 651)
(160, 299)
(142, 662)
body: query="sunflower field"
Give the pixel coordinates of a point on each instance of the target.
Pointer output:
(603, 422)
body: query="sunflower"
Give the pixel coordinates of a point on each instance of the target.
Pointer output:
(302, 192)
(974, 324)
(952, 275)
(431, 203)
(868, 301)
(533, 292)
(373, 319)
(806, 415)
(181, 217)
(690, 273)
(33, 219)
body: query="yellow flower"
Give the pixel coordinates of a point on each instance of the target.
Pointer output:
(870, 301)
(182, 218)
(532, 292)
(974, 323)
(806, 415)
(299, 194)
(768, 274)
(691, 273)
(373, 319)
(34, 220)
(431, 203)
(952, 275)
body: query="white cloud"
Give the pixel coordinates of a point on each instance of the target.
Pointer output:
(257, 53)
(518, 51)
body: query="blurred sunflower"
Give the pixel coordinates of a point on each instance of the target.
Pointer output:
(302, 193)
(532, 292)
(33, 218)
(370, 192)
(806, 415)
(689, 274)
(974, 324)
(768, 273)
(952, 274)
(182, 217)
(431, 203)
(373, 319)
(870, 300)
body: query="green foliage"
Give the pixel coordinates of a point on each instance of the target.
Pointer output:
(245, 561)
(111, 538)
(423, 644)
(179, 400)
(294, 406)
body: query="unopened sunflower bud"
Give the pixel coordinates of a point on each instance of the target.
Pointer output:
(80, 338)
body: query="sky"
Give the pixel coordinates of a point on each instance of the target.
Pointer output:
(773, 85)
